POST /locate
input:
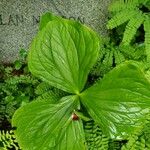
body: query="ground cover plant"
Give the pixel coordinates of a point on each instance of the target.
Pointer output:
(18, 87)
(88, 93)
(134, 13)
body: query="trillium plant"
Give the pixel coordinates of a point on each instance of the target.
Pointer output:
(62, 54)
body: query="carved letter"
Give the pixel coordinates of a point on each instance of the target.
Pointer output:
(19, 19)
(11, 20)
(1, 21)
(36, 20)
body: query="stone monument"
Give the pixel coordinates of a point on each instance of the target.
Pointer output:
(19, 20)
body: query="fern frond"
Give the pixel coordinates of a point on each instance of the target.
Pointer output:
(112, 56)
(121, 18)
(95, 139)
(121, 4)
(119, 57)
(109, 58)
(140, 139)
(133, 53)
(139, 53)
(147, 37)
(49, 96)
(132, 27)
(48, 93)
(144, 2)
(103, 65)
(8, 140)
(137, 13)
(148, 4)
(115, 144)
(42, 88)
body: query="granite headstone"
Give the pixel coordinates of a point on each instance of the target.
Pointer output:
(19, 20)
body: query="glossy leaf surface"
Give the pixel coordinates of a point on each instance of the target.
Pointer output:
(63, 53)
(119, 102)
(41, 124)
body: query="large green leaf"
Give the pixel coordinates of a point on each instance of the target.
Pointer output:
(120, 101)
(63, 53)
(41, 124)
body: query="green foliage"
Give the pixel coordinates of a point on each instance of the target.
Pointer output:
(19, 63)
(46, 92)
(62, 75)
(136, 13)
(8, 140)
(136, 52)
(110, 56)
(17, 88)
(62, 54)
(147, 36)
(115, 144)
(140, 139)
(95, 139)
(114, 113)
(56, 120)
(15, 91)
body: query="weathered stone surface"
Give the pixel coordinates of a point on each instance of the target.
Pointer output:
(19, 20)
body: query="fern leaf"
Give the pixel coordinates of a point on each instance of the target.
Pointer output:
(133, 141)
(50, 96)
(109, 58)
(8, 140)
(95, 139)
(42, 88)
(105, 65)
(144, 2)
(121, 18)
(121, 4)
(115, 144)
(132, 27)
(133, 53)
(140, 139)
(48, 93)
(119, 58)
(137, 13)
(147, 37)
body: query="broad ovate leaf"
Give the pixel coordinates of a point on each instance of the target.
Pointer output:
(63, 53)
(120, 100)
(40, 124)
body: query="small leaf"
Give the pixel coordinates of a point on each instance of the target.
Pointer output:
(18, 64)
(119, 102)
(63, 53)
(23, 54)
(41, 125)
(119, 18)
(132, 27)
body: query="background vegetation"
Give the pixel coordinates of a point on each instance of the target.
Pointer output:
(129, 39)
